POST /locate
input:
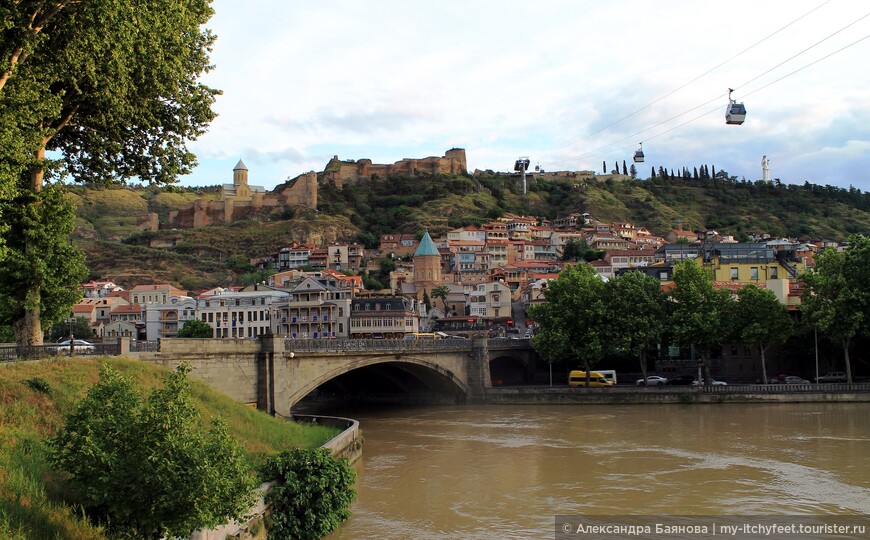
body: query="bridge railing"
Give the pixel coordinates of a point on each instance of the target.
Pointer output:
(509, 343)
(375, 345)
(33, 352)
(784, 388)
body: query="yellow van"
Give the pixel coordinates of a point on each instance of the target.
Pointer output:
(596, 380)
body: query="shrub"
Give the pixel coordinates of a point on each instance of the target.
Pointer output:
(195, 328)
(312, 494)
(38, 384)
(145, 468)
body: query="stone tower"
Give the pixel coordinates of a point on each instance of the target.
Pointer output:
(240, 174)
(427, 266)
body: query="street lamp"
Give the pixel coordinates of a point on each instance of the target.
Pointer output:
(816, 337)
(72, 340)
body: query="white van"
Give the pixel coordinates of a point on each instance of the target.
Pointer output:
(609, 374)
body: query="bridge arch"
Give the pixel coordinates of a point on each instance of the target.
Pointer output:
(448, 378)
(511, 368)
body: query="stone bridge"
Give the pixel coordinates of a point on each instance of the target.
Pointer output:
(274, 373)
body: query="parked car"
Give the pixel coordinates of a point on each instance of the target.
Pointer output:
(713, 382)
(653, 380)
(682, 380)
(79, 345)
(788, 379)
(832, 376)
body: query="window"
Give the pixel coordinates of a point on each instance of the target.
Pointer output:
(753, 272)
(774, 272)
(734, 273)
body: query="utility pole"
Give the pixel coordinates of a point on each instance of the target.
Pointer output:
(522, 165)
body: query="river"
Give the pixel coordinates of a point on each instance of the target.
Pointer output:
(495, 472)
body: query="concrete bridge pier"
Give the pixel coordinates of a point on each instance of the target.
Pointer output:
(479, 378)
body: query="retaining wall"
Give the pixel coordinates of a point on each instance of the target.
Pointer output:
(347, 444)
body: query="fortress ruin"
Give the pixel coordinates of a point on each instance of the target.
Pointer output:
(352, 172)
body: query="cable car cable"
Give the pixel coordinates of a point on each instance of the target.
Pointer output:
(696, 78)
(597, 150)
(805, 50)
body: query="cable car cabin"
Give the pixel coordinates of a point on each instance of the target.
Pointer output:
(735, 114)
(638, 156)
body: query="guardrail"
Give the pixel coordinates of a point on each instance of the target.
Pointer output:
(375, 345)
(748, 388)
(139, 346)
(34, 352)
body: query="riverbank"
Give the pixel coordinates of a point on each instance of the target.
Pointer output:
(34, 398)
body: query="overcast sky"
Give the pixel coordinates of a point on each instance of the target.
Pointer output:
(570, 84)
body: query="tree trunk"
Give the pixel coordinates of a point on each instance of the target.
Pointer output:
(763, 366)
(706, 363)
(38, 172)
(643, 366)
(28, 328)
(848, 363)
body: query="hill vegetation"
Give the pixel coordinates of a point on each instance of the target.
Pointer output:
(35, 397)
(199, 258)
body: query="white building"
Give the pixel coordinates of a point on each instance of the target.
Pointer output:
(244, 314)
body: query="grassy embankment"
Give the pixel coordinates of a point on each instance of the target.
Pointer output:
(31, 494)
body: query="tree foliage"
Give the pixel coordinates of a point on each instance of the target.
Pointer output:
(571, 329)
(41, 272)
(196, 328)
(836, 296)
(441, 291)
(145, 468)
(636, 314)
(699, 315)
(312, 493)
(81, 329)
(760, 320)
(112, 88)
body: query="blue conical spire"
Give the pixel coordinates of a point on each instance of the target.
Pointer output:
(427, 246)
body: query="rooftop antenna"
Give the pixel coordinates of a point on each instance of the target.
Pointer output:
(522, 165)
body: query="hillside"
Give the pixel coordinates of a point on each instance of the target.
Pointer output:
(198, 258)
(30, 494)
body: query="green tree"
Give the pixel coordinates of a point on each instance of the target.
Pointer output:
(426, 301)
(145, 468)
(41, 272)
(372, 284)
(441, 291)
(111, 88)
(699, 314)
(760, 320)
(312, 493)
(579, 250)
(368, 240)
(195, 328)
(387, 265)
(636, 314)
(239, 264)
(836, 296)
(572, 329)
(81, 329)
